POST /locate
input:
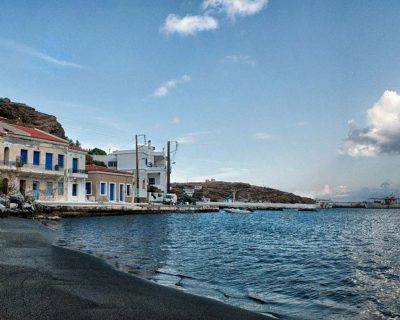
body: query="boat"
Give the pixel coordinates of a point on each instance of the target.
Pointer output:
(237, 210)
(390, 202)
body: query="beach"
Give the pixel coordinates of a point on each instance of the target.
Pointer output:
(41, 281)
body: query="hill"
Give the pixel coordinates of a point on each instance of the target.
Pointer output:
(220, 191)
(22, 114)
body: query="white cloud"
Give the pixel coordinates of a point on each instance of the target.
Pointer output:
(262, 136)
(382, 133)
(38, 54)
(164, 89)
(191, 138)
(302, 123)
(240, 59)
(189, 25)
(176, 120)
(236, 7)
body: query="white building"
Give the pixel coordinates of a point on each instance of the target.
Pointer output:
(76, 175)
(152, 168)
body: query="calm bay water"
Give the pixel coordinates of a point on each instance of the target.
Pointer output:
(332, 264)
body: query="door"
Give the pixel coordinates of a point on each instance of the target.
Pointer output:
(121, 193)
(75, 165)
(6, 155)
(22, 187)
(112, 191)
(35, 190)
(49, 161)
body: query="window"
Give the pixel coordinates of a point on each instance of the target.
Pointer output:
(88, 188)
(143, 184)
(60, 161)
(60, 188)
(24, 156)
(36, 158)
(112, 164)
(74, 190)
(75, 165)
(49, 188)
(103, 188)
(152, 181)
(49, 161)
(128, 190)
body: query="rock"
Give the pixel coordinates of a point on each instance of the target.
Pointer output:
(4, 200)
(18, 198)
(13, 205)
(22, 114)
(55, 218)
(2, 208)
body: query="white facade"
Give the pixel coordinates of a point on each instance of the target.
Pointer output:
(152, 167)
(76, 176)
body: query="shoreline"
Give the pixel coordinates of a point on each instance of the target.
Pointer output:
(41, 280)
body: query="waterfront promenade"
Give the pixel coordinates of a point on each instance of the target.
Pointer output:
(42, 281)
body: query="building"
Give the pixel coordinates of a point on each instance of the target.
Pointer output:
(76, 174)
(109, 185)
(152, 169)
(33, 162)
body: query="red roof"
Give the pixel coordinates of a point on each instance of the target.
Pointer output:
(39, 134)
(93, 167)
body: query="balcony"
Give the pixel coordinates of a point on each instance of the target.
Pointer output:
(78, 173)
(31, 168)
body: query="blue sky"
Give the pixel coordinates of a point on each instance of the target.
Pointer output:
(275, 93)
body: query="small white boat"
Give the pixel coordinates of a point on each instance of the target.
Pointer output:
(237, 210)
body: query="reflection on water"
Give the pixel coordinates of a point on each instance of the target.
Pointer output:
(331, 264)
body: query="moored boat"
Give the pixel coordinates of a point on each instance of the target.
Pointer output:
(237, 210)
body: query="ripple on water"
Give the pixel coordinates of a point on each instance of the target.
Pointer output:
(332, 264)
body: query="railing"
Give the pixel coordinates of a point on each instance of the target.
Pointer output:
(79, 171)
(31, 166)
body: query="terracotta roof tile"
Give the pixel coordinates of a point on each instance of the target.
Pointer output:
(39, 134)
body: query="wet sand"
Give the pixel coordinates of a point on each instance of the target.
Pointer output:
(42, 281)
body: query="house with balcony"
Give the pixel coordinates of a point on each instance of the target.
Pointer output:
(76, 174)
(33, 162)
(152, 169)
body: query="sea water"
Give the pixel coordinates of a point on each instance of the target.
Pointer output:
(330, 264)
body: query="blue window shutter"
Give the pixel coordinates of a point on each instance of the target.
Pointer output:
(49, 161)
(36, 158)
(24, 156)
(61, 160)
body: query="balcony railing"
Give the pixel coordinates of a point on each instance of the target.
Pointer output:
(78, 171)
(31, 166)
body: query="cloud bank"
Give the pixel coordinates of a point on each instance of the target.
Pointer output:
(382, 133)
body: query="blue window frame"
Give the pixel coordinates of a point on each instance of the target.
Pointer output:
(60, 161)
(74, 190)
(88, 188)
(36, 158)
(24, 156)
(112, 191)
(103, 189)
(75, 165)
(49, 161)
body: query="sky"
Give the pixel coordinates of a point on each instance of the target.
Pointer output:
(303, 96)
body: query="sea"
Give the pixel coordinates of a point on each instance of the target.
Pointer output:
(329, 264)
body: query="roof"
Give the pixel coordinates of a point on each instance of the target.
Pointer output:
(76, 148)
(95, 168)
(39, 134)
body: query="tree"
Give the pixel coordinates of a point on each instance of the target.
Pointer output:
(97, 152)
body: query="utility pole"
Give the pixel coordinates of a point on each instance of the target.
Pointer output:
(137, 170)
(169, 167)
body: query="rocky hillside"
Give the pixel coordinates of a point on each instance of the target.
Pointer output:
(22, 114)
(220, 191)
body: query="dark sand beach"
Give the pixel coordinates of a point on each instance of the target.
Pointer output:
(42, 281)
